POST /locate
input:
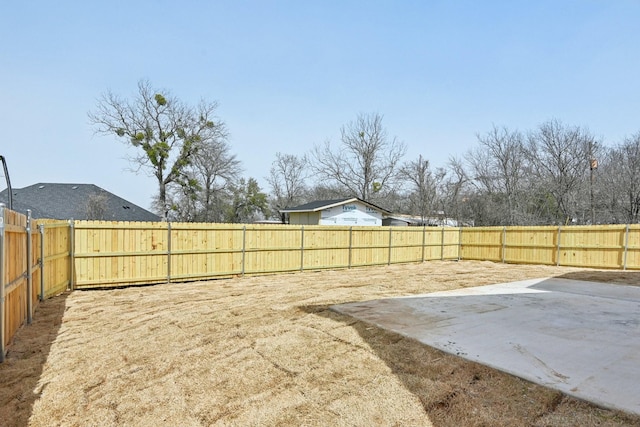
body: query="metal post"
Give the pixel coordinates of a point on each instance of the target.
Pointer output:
(389, 260)
(558, 247)
(593, 164)
(168, 252)
(72, 249)
(302, 248)
(350, 244)
(2, 349)
(41, 231)
(6, 177)
(626, 247)
(29, 272)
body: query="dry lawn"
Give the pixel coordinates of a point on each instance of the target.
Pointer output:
(266, 351)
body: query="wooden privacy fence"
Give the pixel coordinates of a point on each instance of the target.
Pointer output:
(33, 266)
(120, 253)
(91, 254)
(109, 254)
(603, 246)
(16, 274)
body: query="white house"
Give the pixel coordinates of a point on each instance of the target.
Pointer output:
(351, 211)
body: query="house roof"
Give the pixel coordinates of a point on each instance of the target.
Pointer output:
(69, 201)
(319, 205)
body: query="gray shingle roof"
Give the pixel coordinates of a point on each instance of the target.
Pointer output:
(69, 201)
(318, 205)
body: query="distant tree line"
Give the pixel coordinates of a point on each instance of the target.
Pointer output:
(553, 174)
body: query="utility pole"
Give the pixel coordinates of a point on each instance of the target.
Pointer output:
(593, 165)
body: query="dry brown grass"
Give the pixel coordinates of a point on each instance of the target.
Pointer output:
(258, 351)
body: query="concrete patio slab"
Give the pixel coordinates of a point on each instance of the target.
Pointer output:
(582, 338)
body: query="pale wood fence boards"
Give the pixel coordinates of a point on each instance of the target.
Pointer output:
(107, 254)
(605, 246)
(602, 247)
(54, 257)
(112, 253)
(17, 271)
(35, 263)
(61, 255)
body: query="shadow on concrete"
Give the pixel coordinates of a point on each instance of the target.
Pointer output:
(26, 357)
(455, 390)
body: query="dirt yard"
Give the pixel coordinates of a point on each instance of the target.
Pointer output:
(266, 351)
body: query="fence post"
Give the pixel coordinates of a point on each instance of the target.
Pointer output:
(389, 260)
(442, 244)
(244, 242)
(302, 248)
(504, 243)
(41, 231)
(29, 272)
(2, 217)
(558, 247)
(350, 244)
(72, 249)
(168, 252)
(626, 247)
(459, 243)
(424, 239)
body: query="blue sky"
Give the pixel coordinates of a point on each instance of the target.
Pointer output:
(288, 74)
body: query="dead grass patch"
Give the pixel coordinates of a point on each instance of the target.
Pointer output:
(257, 351)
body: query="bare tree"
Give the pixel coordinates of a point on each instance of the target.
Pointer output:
(621, 181)
(453, 182)
(423, 185)
(165, 130)
(560, 156)
(287, 180)
(498, 167)
(327, 191)
(367, 162)
(210, 176)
